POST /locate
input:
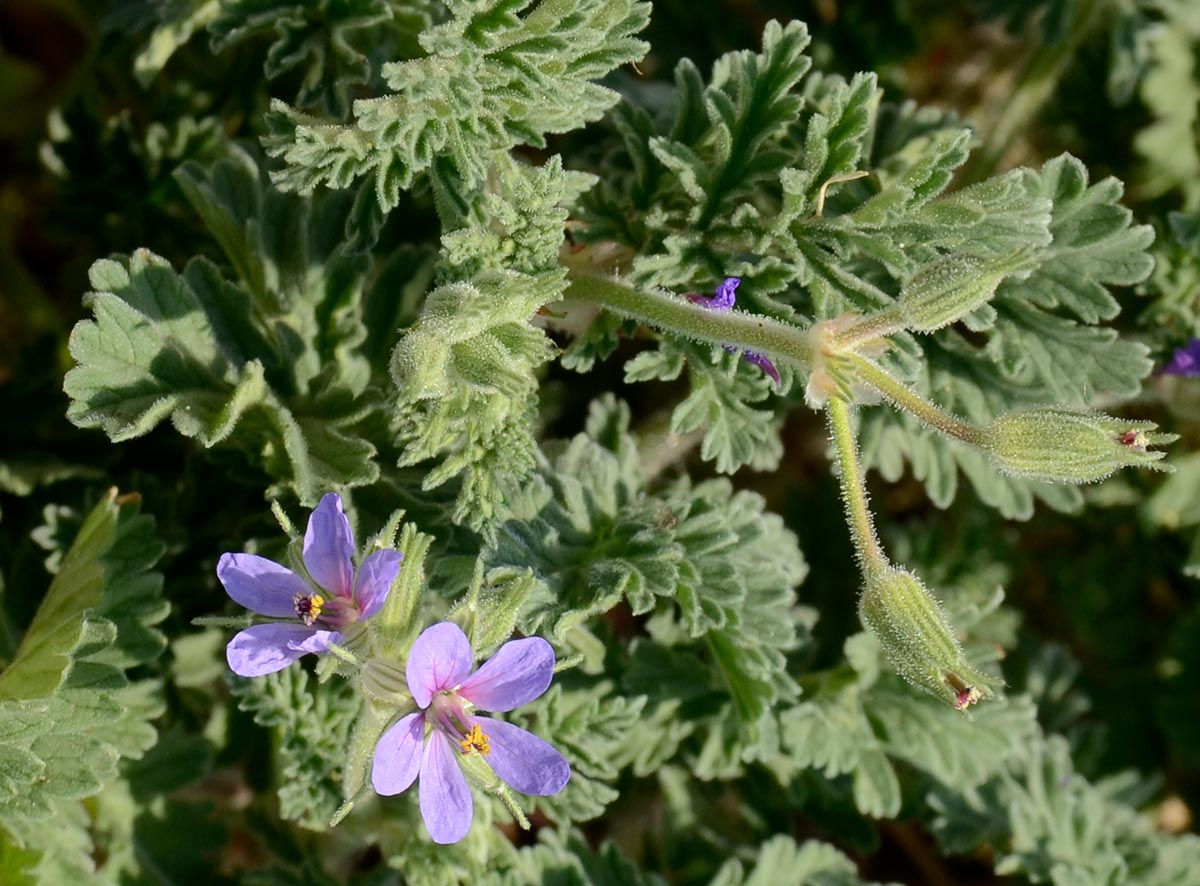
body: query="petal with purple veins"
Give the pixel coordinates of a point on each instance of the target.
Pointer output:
(517, 674)
(444, 797)
(439, 659)
(374, 580)
(265, 649)
(397, 757)
(522, 760)
(329, 547)
(261, 585)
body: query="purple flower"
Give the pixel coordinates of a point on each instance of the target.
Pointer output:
(723, 300)
(320, 606)
(1185, 361)
(429, 741)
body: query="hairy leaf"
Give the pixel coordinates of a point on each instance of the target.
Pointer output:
(69, 712)
(270, 366)
(493, 79)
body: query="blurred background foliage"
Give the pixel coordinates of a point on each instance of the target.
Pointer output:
(1107, 599)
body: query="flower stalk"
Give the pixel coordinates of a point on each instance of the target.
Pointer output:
(854, 490)
(910, 401)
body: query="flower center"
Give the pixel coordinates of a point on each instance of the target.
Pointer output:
(448, 713)
(1134, 439)
(333, 610)
(308, 607)
(964, 695)
(476, 740)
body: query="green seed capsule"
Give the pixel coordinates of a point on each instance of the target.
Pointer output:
(917, 638)
(1071, 447)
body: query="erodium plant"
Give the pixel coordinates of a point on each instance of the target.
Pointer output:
(535, 314)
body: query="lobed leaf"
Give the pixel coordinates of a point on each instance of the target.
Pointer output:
(493, 79)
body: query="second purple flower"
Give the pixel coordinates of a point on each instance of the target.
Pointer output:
(317, 610)
(429, 741)
(722, 300)
(1185, 361)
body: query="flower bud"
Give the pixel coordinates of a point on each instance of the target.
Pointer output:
(917, 638)
(946, 290)
(1070, 447)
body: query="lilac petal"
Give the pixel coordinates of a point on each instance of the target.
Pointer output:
(261, 585)
(517, 674)
(726, 294)
(398, 755)
(439, 659)
(265, 649)
(1185, 361)
(764, 363)
(374, 580)
(445, 799)
(723, 300)
(522, 760)
(329, 547)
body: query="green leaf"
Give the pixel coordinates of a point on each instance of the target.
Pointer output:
(492, 80)
(723, 389)
(716, 571)
(596, 730)
(316, 38)
(104, 591)
(69, 713)
(312, 723)
(1033, 354)
(750, 105)
(518, 224)
(782, 860)
(831, 732)
(566, 856)
(272, 369)
(1170, 90)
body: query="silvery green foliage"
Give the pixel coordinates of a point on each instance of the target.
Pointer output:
(716, 188)
(71, 713)
(493, 79)
(266, 359)
(378, 307)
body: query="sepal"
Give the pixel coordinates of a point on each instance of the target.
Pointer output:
(950, 288)
(1061, 446)
(917, 638)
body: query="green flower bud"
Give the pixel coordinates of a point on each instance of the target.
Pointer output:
(946, 290)
(917, 638)
(1071, 447)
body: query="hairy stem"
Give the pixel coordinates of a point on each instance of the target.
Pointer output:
(854, 490)
(910, 401)
(676, 314)
(873, 326)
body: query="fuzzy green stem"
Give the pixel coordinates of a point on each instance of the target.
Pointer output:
(854, 490)
(873, 326)
(910, 401)
(676, 314)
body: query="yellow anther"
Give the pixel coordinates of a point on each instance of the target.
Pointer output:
(476, 740)
(308, 608)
